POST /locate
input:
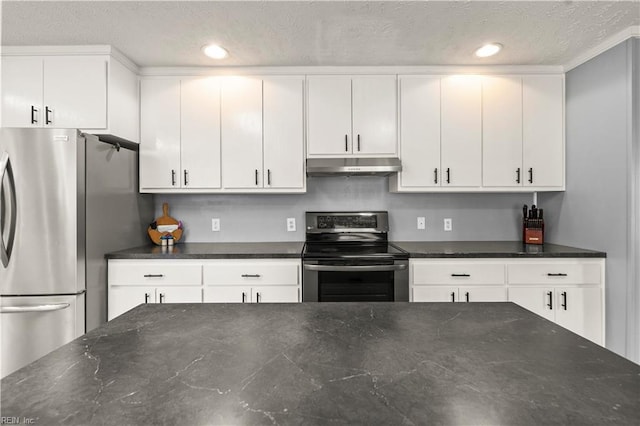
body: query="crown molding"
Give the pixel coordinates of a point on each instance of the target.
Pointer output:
(96, 49)
(627, 33)
(347, 70)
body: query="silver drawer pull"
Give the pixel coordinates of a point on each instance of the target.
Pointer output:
(556, 275)
(251, 275)
(153, 275)
(36, 308)
(460, 275)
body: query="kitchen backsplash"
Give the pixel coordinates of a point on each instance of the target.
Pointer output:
(258, 217)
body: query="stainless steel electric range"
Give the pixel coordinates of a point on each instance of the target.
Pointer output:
(347, 258)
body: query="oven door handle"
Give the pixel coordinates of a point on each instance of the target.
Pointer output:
(355, 268)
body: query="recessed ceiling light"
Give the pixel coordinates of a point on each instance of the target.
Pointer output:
(214, 51)
(489, 49)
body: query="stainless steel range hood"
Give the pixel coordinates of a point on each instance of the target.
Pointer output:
(353, 166)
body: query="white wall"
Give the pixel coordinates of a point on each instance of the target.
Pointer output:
(263, 217)
(595, 210)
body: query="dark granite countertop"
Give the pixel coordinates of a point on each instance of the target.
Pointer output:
(212, 251)
(333, 363)
(489, 249)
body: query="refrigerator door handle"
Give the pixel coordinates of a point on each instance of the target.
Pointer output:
(5, 168)
(35, 308)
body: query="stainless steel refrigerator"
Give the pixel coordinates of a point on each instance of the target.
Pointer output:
(66, 199)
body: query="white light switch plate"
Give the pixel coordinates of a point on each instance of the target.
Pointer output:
(291, 224)
(215, 224)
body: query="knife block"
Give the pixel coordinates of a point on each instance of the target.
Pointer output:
(533, 231)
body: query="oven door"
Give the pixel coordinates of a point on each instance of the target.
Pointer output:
(355, 281)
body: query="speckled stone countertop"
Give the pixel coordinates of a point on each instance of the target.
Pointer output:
(331, 363)
(488, 249)
(212, 251)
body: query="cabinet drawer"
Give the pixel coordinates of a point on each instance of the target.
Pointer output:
(252, 273)
(555, 273)
(154, 273)
(457, 273)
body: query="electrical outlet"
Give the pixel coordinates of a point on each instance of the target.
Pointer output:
(421, 223)
(215, 224)
(448, 225)
(291, 224)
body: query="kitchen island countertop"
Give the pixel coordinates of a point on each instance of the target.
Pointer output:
(332, 363)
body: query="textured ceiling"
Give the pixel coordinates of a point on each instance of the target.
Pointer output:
(308, 33)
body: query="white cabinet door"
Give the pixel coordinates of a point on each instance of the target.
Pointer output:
(200, 132)
(543, 130)
(374, 112)
(160, 133)
(227, 294)
(502, 131)
(241, 132)
(580, 310)
(275, 294)
(75, 91)
(482, 294)
(179, 294)
(461, 127)
(329, 115)
(435, 294)
(538, 300)
(283, 133)
(22, 92)
(420, 131)
(125, 298)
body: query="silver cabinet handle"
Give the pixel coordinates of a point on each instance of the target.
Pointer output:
(186, 177)
(257, 297)
(354, 268)
(161, 297)
(34, 120)
(244, 297)
(530, 174)
(250, 275)
(518, 175)
(173, 177)
(153, 275)
(256, 177)
(346, 143)
(460, 275)
(268, 176)
(147, 296)
(560, 274)
(5, 168)
(37, 308)
(358, 142)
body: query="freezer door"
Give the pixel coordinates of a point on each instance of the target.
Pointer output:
(34, 326)
(47, 180)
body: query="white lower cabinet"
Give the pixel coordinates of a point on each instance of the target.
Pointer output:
(569, 292)
(457, 281)
(133, 282)
(252, 281)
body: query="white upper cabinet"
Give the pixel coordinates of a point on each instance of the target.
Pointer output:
(283, 133)
(97, 92)
(502, 131)
(352, 115)
(481, 133)
(374, 115)
(543, 131)
(242, 132)
(180, 133)
(263, 134)
(200, 132)
(420, 131)
(54, 91)
(160, 134)
(461, 131)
